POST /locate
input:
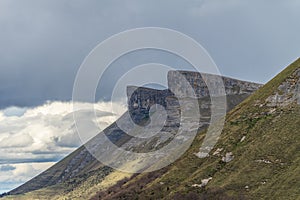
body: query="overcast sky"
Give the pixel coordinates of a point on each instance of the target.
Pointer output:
(43, 43)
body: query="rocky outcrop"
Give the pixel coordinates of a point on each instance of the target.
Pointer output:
(228, 157)
(287, 93)
(196, 80)
(140, 99)
(204, 182)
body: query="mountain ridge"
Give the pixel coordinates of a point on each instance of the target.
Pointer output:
(84, 163)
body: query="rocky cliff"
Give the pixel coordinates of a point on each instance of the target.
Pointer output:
(140, 99)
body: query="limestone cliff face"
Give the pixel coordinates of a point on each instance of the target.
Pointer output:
(140, 99)
(196, 80)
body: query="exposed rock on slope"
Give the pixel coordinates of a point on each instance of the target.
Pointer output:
(287, 92)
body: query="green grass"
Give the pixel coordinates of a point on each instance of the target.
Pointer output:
(266, 164)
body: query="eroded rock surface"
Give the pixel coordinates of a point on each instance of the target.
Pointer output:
(287, 93)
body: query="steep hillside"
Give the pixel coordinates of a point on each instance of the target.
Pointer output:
(80, 175)
(256, 157)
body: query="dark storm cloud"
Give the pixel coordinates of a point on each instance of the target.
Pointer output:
(44, 42)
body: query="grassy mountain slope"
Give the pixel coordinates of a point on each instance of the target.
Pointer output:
(264, 141)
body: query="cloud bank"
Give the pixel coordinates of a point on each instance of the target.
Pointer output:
(32, 139)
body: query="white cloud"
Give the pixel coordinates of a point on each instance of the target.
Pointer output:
(16, 140)
(20, 173)
(31, 139)
(14, 111)
(48, 132)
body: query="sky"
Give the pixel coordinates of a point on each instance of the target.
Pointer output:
(43, 43)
